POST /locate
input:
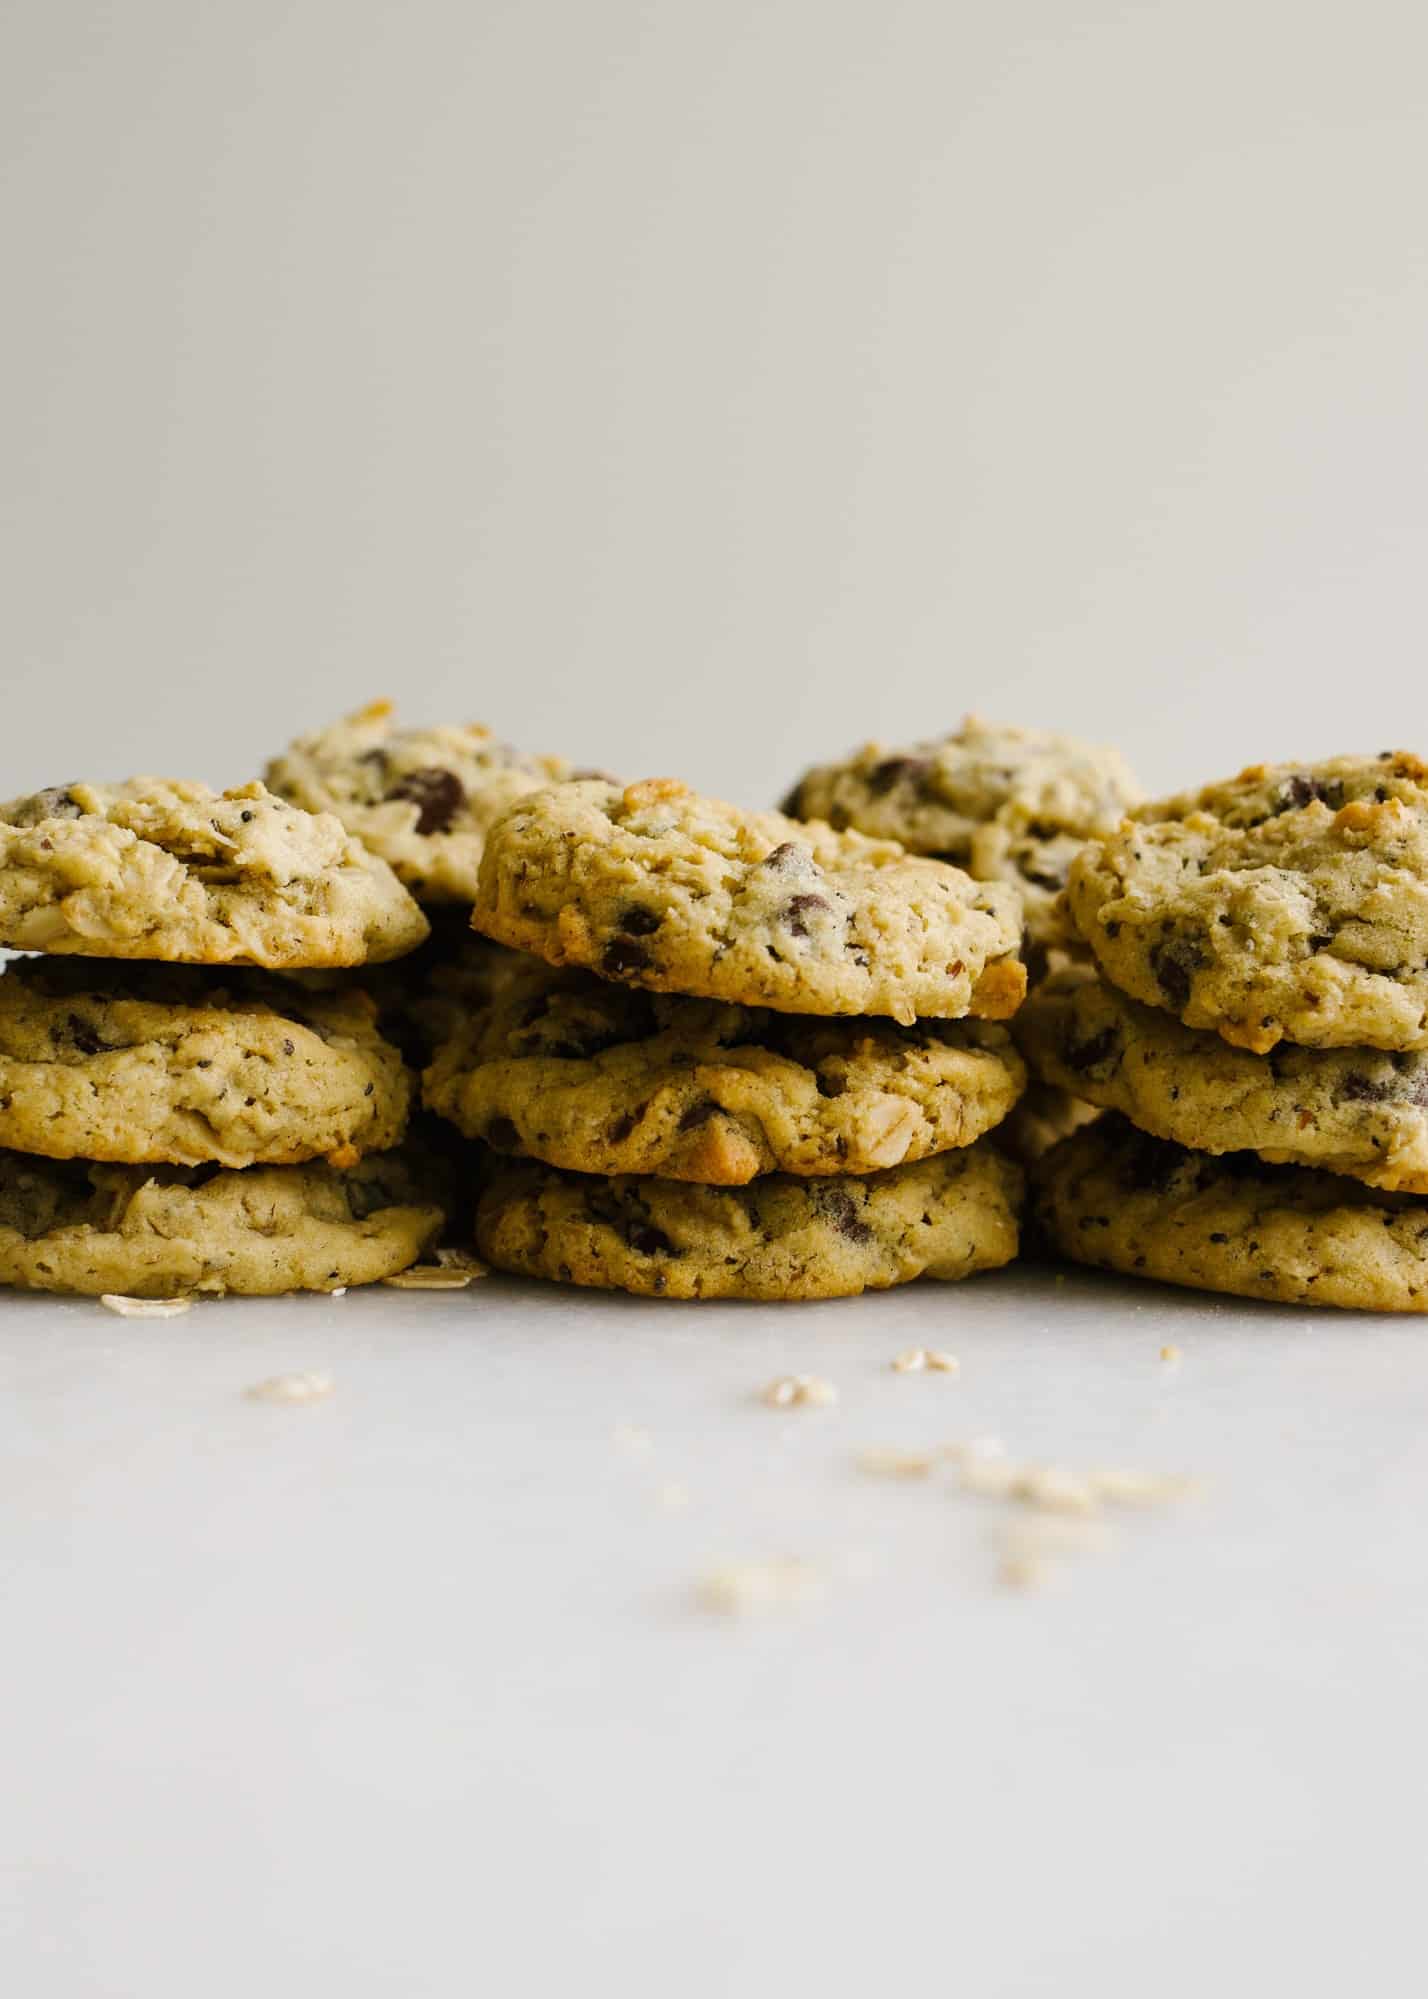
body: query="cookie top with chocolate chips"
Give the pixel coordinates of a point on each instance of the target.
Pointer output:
(1007, 804)
(421, 798)
(607, 1079)
(1290, 903)
(161, 869)
(777, 1238)
(658, 887)
(1358, 1111)
(1117, 1199)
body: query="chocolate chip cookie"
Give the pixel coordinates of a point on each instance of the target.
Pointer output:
(1006, 804)
(423, 799)
(164, 1063)
(1120, 1200)
(156, 1232)
(607, 1079)
(657, 887)
(777, 1238)
(153, 869)
(1348, 1110)
(1290, 903)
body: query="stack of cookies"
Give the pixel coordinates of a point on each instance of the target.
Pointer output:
(742, 1057)
(1007, 805)
(205, 1123)
(1257, 1020)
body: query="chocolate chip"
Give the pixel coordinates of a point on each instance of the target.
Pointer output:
(54, 802)
(897, 770)
(838, 1205)
(84, 1037)
(1089, 1054)
(619, 1128)
(698, 1114)
(1173, 962)
(622, 955)
(1361, 1089)
(636, 921)
(797, 910)
(437, 794)
(289, 1047)
(646, 1240)
(788, 859)
(502, 1136)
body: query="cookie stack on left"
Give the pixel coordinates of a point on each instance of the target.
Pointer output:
(177, 1113)
(745, 1058)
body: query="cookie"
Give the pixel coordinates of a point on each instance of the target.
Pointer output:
(152, 869)
(424, 799)
(1290, 903)
(606, 1079)
(1006, 804)
(1040, 1119)
(660, 888)
(777, 1238)
(1347, 1110)
(1120, 1200)
(157, 1232)
(164, 1063)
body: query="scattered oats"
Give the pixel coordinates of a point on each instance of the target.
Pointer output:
(462, 1259)
(1021, 1569)
(430, 1277)
(338, 1291)
(1054, 1489)
(1051, 1534)
(910, 1361)
(796, 1391)
(736, 1588)
(1139, 1488)
(673, 1496)
(993, 1477)
(630, 1437)
(887, 1462)
(919, 1360)
(975, 1450)
(1170, 1354)
(144, 1308)
(292, 1388)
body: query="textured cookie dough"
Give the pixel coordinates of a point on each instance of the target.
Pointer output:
(157, 1232)
(1116, 1198)
(1348, 1110)
(777, 1238)
(424, 799)
(166, 1063)
(660, 888)
(1006, 804)
(606, 1079)
(1040, 1119)
(1288, 904)
(153, 869)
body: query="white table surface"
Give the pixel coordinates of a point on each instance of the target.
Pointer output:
(410, 1691)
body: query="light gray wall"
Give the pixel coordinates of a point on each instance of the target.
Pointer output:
(704, 387)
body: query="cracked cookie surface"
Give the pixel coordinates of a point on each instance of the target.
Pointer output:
(172, 870)
(424, 799)
(1117, 1199)
(157, 1232)
(777, 1238)
(1290, 903)
(164, 1063)
(1006, 804)
(657, 887)
(1360, 1111)
(608, 1079)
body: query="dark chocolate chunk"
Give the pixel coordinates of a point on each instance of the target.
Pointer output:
(437, 794)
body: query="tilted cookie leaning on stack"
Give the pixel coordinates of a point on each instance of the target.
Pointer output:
(194, 1125)
(1259, 1022)
(1006, 804)
(742, 1069)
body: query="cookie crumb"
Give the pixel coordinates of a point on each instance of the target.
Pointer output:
(885, 1461)
(1022, 1568)
(338, 1291)
(144, 1308)
(431, 1277)
(736, 1588)
(929, 1360)
(796, 1391)
(462, 1259)
(291, 1388)
(1124, 1487)
(1170, 1355)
